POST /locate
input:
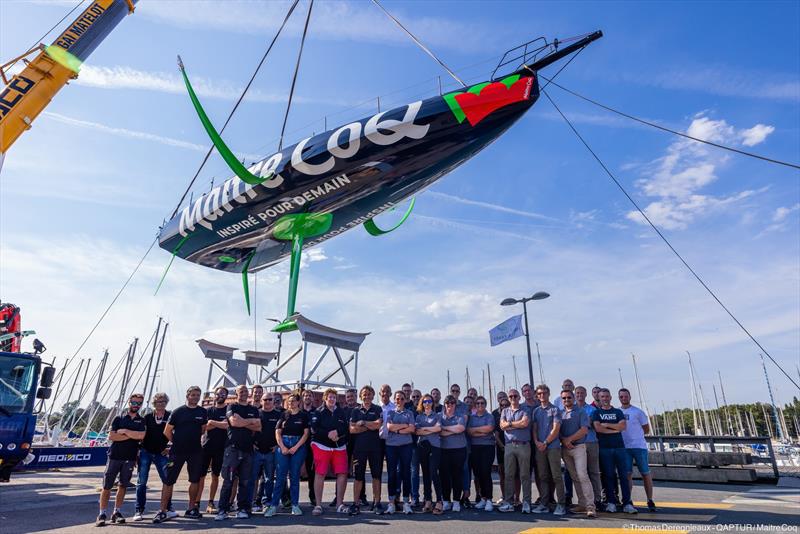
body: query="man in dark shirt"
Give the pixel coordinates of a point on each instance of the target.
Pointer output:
(243, 423)
(307, 396)
(365, 422)
(184, 429)
(154, 451)
(609, 422)
(126, 433)
(214, 446)
(264, 454)
(350, 404)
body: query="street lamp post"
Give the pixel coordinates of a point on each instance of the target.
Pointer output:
(539, 295)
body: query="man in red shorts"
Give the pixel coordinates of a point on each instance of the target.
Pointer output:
(329, 447)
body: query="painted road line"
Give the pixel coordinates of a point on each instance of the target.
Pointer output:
(565, 530)
(688, 505)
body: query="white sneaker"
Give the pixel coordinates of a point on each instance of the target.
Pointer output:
(242, 514)
(221, 516)
(489, 506)
(390, 509)
(456, 507)
(407, 508)
(611, 508)
(138, 516)
(560, 510)
(270, 511)
(540, 509)
(171, 514)
(526, 507)
(257, 509)
(630, 509)
(481, 504)
(296, 510)
(506, 507)
(448, 505)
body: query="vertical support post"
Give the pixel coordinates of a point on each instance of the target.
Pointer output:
(355, 371)
(528, 344)
(210, 369)
(303, 364)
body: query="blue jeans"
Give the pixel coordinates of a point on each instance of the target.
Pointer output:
(414, 472)
(263, 466)
(145, 460)
(291, 465)
(399, 456)
(614, 465)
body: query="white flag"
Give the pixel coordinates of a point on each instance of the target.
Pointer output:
(508, 329)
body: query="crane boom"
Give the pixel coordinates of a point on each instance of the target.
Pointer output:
(28, 93)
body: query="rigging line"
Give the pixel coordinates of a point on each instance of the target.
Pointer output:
(39, 40)
(235, 106)
(564, 66)
(439, 61)
(665, 240)
(141, 261)
(669, 130)
(294, 77)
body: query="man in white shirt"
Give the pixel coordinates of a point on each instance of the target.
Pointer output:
(637, 425)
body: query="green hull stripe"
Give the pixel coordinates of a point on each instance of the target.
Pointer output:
(373, 229)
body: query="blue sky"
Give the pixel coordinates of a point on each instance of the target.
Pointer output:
(83, 193)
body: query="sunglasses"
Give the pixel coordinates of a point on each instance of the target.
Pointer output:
(267, 399)
(566, 398)
(450, 403)
(427, 401)
(135, 403)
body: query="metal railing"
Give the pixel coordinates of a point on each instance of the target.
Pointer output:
(713, 441)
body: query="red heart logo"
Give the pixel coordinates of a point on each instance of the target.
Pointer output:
(493, 97)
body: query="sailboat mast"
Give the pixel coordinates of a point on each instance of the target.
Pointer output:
(694, 398)
(639, 388)
(778, 426)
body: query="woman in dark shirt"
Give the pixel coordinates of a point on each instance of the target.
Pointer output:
(454, 454)
(291, 433)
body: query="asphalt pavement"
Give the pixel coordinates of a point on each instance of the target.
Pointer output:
(66, 501)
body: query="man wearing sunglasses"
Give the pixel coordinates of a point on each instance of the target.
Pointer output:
(154, 451)
(264, 465)
(515, 423)
(126, 432)
(546, 429)
(574, 428)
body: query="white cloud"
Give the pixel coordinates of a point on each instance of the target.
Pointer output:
(724, 80)
(783, 212)
(135, 134)
(755, 135)
(338, 21)
(489, 205)
(687, 167)
(122, 77)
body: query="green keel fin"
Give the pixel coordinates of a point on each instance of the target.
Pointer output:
(373, 229)
(246, 282)
(295, 228)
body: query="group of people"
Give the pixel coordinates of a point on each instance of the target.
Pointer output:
(262, 438)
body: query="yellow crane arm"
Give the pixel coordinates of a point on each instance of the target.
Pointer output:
(29, 92)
